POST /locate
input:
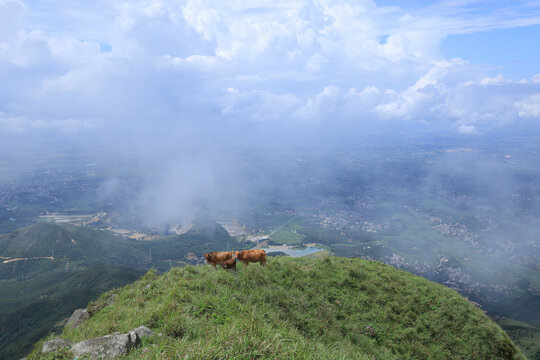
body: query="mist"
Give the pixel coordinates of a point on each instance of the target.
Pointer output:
(156, 131)
(355, 120)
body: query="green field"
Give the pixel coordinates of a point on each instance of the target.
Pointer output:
(288, 234)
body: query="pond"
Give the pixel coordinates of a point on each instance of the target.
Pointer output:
(292, 251)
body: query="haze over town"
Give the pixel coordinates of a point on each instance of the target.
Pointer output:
(405, 132)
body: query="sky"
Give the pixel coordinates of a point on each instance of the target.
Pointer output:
(196, 71)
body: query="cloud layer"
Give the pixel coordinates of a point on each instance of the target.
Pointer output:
(168, 67)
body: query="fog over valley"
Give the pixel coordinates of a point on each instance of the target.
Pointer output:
(139, 135)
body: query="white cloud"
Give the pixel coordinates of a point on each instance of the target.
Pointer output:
(80, 80)
(175, 61)
(323, 106)
(68, 126)
(20, 125)
(369, 95)
(194, 62)
(316, 62)
(497, 80)
(26, 50)
(14, 125)
(529, 107)
(466, 129)
(11, 11)
(258, 106)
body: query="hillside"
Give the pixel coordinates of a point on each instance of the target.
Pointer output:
(31, 309)
(48, 270)
(330, 308)
(83, 246)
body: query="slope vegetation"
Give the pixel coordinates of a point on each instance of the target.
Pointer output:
(40, 311)
(296, 308)
(48, 270)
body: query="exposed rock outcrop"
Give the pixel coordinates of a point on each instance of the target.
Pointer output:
(104, 347)
(112, 299)
(142, 331)
(55, 344)
(77, 318)
(108, 346)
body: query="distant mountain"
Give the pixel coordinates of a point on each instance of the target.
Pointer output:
(295, 308)
(45, 246)
(47, 270)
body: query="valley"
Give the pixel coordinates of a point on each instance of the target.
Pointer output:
(416, 206)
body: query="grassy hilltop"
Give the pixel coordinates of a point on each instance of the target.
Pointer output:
(296, 308)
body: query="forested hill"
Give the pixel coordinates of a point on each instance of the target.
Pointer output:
(83, 246)
(295, 308)
(48, 270)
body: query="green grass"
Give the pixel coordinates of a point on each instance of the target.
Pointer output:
(31, 309)
(288, 234)
(37, 293)
(296, 308)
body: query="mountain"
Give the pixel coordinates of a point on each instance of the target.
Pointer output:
(295, 308)
(43, 303)
(47, 270)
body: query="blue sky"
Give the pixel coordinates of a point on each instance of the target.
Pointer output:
(514, 52)
(177, 66)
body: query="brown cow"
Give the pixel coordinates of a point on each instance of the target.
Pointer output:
(214, 258)
(229, 264)
(247, 256)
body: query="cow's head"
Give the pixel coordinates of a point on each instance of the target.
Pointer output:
(206, 256)
(235, 254)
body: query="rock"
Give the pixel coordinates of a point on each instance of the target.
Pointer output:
(55, 344)
(77, 318)
(104, 347)
(108, 346)
(112, 299)
(142, 331)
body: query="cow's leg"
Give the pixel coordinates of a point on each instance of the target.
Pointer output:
(263, 262)
(245, 262)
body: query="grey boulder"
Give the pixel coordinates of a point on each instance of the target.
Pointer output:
(77, 318)
(55, 344)
(142, 331)
(108, 346)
